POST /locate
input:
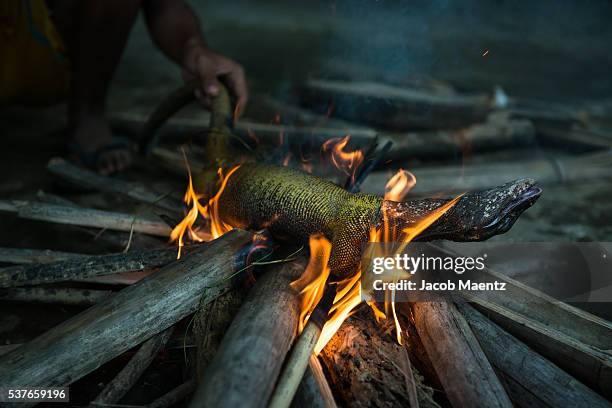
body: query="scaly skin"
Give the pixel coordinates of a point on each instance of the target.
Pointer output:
(293, 204)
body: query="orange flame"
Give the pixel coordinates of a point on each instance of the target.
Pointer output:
(209, 212)
(346, 161)
(186, 225)
(312, 282)
(399, 185)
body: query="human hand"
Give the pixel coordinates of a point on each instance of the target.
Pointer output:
(206, 65)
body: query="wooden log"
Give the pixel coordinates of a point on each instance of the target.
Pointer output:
(390, 107)
(122, 278)
(498, 132)
(87, 267)
(314, 390)
(129, 375)
(531, 374)
(83, 343)
(464, 371)
(113, 238)
(571, 338)
(368, 368)
(249, 360)
(34, 256)
(93, 180)
(211, 322)
(547, 171)
(64, 296)
(87, 217)
(8, 347)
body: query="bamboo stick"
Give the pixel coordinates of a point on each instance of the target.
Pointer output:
(247, 364)
(535, 377)
(466, 374)
(314, 391)
(80, 345)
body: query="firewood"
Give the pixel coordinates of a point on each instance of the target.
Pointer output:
(296, 365)
(368, 368)
(390, 107)
(498, 132)
(78, 346)
(573, 339)
(314, 391)
(531, 376)
(127, 377)
(34, 256)
(87, 267)
(63, 296)
(92, 180)
(212, 321)
(8, 347)
(87, 217)
(549, 171)
(115, 239)
(121, 278)
(466, 374)
(245, 368)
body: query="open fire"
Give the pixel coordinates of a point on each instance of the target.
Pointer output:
(315, 279)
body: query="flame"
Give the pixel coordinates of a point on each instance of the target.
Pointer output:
(186, 225)
(209, 212)
(346, 161)
(312, 282)
(399, 185)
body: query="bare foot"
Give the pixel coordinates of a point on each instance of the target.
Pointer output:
(95, 147)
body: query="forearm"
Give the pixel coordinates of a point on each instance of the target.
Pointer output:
(174, 27)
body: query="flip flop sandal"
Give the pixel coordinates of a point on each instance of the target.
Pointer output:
(91, 160)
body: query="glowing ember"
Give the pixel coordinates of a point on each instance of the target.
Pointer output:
(346, 161)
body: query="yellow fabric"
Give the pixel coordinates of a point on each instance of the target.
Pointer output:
(33, 63)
